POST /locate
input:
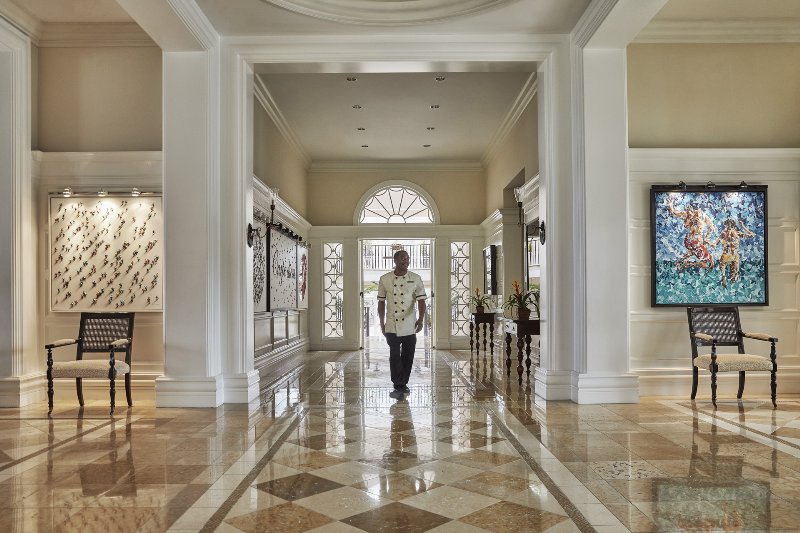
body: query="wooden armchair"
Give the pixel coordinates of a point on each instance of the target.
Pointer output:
(99, 333)
(720, 326)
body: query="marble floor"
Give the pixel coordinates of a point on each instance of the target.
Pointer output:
(328, 450)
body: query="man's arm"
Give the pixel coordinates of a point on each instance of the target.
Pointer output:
(381, 314)
(421, 307)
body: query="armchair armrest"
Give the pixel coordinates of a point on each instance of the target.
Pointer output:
(703, 337)
(119, 343)
(60, 342)
(760, 336)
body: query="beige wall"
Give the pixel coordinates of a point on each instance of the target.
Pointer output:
(276, 163)
(99, 99)
(519, 150)
(334, 197)
(714, 95)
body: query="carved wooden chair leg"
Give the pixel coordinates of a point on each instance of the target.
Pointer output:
(128, 389)
(741, 384)
(694, 382)
(79, 388)
(49, 380)
(714, 384)
(773, 385)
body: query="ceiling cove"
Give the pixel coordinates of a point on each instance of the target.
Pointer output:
(387, 12)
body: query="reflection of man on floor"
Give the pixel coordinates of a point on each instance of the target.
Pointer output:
(730, 238)
(699, 228)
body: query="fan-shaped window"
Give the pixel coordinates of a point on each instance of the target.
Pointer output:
(397, 204)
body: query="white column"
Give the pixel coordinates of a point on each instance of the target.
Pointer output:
(191, 218)
(20, 368)
(603, 374)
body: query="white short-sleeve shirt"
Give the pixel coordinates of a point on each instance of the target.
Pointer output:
(401, 294)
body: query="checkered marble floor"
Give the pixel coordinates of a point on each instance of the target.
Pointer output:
(469, 449)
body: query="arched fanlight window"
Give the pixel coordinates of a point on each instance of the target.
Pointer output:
(396, 203)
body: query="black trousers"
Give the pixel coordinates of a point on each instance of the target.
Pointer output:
(401, 357)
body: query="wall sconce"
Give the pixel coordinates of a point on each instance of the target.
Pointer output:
(542, 233)
(102, 193)
(273, 197)
(67, 192)
(135, 192)
(252, 233)
(518, 198)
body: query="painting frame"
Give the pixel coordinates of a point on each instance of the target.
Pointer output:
(281, 270)
(490, 270)
(709, 245)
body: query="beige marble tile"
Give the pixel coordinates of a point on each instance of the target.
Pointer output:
(343, 502)
(442, 471)
(450, 501)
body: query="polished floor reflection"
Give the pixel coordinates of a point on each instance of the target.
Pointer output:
(469, 449)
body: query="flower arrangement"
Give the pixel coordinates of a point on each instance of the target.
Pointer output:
(477, 300)
(520, 299)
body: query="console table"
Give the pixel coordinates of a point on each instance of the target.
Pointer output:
(475, 328)
(523, 330)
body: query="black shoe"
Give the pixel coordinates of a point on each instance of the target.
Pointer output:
(404, 389)
(396, 394)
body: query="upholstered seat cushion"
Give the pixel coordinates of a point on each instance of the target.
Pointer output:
(734, 362)
(88, 368)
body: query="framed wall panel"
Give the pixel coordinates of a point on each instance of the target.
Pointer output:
(282, 270)
(106, 253)
(260, 279)
(302, 275)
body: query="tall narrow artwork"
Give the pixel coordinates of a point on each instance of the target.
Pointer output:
(260, 280)
(105, 253)
(709, 245)
(282, 270)
(302, 275)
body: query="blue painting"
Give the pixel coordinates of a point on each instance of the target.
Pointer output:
(709, 246)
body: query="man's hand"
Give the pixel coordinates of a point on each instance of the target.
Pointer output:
(418, 325)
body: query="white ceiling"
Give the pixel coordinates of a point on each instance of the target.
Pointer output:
(75, 10)
(395, 112)
(721, 10)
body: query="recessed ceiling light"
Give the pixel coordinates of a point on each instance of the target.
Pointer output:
(426, 145)
(351, 78)
(361, 129)
(356, 106)
(435, 106)
(430, 128)
(364, 146)
(440, 78)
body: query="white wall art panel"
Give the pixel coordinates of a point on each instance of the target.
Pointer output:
(106, 253)
(260, 296)
(282, 270)
(302, 276)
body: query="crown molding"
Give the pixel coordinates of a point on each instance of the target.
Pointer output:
(721, 31)
(590, 21)
(264, 98)
(397, 166)
(196, 22)
(283, 211)
(512, 117)
(93, 34)
(21, 19)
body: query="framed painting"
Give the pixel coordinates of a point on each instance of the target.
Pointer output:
(260, 278)
(282, 270)
(302, 275)
(490, 270)
(709, 245)
(106, 253)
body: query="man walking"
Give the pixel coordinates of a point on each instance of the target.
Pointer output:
(398, 291)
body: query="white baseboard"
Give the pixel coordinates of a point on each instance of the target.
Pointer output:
(553, 384)
(241, 388)
(606, 388)
(189, 392)
(678, 383)
(18, 391)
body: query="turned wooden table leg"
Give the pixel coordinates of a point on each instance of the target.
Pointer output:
(519, 357)
(528, 353)
(485, 338)
(508, 354)
(471, 332)
(491, 337)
